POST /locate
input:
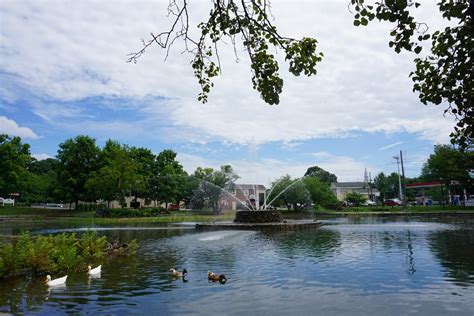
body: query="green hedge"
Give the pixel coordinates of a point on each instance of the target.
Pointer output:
(126, 212)
(91, 207)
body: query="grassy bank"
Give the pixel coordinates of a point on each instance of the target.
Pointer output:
(88, 217)
(433, 209)
(30, 211)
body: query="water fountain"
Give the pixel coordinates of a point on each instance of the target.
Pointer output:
(258, 218)
(264, 216)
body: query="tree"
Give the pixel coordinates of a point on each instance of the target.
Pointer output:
(355, 198)
(191, 184)
(78, 159)
(445, 75)
(117, 175)
(291, 193)
(146, 167)
(320, 193)
(448, 164)
(212, 185)
(387, 185)
(321, 174)
(249, 20)
(42, 180)
(168, 181)
(381, 183)
(14, 159)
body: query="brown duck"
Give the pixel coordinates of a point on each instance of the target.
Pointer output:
(216, 277)
(178, 274)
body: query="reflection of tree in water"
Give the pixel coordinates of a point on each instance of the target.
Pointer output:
(313, 243)
(21, 294)
(455, 251)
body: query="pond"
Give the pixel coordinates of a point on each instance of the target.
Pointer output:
(363, 265)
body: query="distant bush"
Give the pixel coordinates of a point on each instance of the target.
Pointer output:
(126, 212)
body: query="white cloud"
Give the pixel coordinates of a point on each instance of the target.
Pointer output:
(266, 170)
(78, 49)
(345, 168)
(10, 127)
(390, 146)
(41, 156)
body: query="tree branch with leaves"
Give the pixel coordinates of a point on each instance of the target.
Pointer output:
(248, 21)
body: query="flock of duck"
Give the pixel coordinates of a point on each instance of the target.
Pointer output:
(211, 276)
(60, 281)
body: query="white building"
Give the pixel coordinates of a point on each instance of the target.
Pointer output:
(340, 189)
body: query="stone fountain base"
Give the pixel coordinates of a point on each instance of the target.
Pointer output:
(258, 217)
(253, 220)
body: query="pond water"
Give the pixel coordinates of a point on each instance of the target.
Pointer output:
(367, 265)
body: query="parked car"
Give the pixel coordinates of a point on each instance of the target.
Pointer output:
(392, 202)
(469, 202)
(369, 203)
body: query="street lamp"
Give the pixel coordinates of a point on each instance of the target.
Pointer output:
(399, 178)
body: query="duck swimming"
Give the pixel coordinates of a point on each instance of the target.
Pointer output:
(216, 277)
(96, 270)
(178, 274)
(55, 282)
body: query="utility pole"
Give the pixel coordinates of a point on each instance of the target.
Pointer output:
(399, 178)
(370, 186)
(403, 173)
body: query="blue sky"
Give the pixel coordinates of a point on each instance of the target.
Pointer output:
(63, 73)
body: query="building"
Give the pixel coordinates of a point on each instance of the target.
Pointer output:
(340, 189)
(243, 196)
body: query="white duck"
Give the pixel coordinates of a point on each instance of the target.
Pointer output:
(55, 282)
(96, 270)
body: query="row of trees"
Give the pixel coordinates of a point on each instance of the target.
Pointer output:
(82, 171)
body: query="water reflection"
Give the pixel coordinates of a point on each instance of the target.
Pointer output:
(387, 266)
(455, 251)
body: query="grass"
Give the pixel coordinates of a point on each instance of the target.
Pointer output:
(87, 217)
(30, 211)
(433, 209)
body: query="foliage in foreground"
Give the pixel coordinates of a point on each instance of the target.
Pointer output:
(58, 253)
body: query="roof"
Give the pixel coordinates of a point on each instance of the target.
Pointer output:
(250, 186)
(349, 184)
(423, 184)
(355, 186)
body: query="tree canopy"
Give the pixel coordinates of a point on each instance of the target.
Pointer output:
(289, 192)
(14, 158)
(355, 198)
(448, 164)
(320, 193)
(78, 159)
(321, 174)
(212, 184)
(444, 76)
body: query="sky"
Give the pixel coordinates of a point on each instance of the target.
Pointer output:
(63, 72)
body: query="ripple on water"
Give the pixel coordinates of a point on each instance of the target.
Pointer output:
(389, 268)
